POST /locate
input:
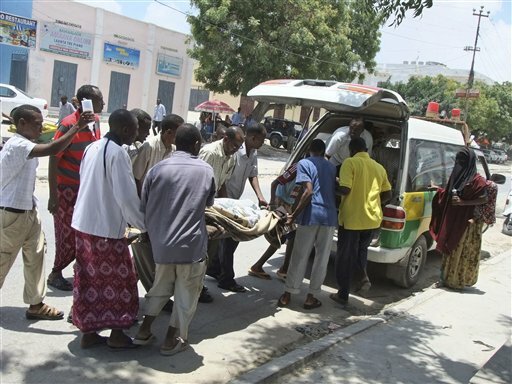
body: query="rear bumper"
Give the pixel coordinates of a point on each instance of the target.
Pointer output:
(380, 254)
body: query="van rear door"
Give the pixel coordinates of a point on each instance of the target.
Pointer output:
(332, 96)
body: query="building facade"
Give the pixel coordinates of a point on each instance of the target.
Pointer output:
(132, 62)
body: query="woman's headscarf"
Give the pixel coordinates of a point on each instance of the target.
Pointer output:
(464, 170)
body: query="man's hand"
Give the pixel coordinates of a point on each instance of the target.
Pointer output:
(53, 204)
(456, 200)
(85, 119)
(290, 219)
(263, 203)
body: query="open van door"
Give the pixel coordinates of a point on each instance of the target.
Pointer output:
(330, 95)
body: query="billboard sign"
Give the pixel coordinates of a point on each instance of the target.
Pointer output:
(18, 31)
(168, 65)
(123, 56)
(63, 40)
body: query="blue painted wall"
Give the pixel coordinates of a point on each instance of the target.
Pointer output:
(19, 8)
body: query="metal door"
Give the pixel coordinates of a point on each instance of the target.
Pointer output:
(18, 76)
(118, 91)
(166, 94)
(64, 81)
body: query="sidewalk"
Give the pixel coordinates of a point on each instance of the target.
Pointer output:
(438, 336)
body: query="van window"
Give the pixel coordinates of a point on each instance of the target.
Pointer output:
(429, 163)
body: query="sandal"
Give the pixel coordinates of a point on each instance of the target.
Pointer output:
(180, 347)
(45, 312)
(261, 274)
(282, 302)
(146, 341)
(281, 275)
(314, 304)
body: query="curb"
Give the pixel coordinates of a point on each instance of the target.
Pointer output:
(285, 364)
(301, 356)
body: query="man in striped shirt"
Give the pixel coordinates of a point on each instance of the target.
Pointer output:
(64, 180)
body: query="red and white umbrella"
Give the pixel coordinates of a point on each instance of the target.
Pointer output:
(214, 106)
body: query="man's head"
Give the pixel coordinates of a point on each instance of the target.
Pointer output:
(357, 145)
(233, 140)
(317, 148)
(28, 121)
(170, 124)
(255, 136)
(158, 101)
(93, 93)
(188, 139)
(356, 127)
(144, 121)
(64, 100)
(219, 133)
(124, 125)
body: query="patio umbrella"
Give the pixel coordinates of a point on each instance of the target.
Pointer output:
(214, 106)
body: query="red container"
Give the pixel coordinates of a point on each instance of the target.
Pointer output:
(432, 109)
(455, 114)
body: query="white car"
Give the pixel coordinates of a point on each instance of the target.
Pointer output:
(12, 97)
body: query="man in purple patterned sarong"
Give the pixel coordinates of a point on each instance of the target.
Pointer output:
(105, 285)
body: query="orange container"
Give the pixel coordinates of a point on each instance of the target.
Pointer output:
(432, 109)
(455, 114)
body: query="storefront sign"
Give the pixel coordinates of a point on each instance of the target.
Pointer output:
(18, 31)
(126, 57)
(168, 65)
(63, 40)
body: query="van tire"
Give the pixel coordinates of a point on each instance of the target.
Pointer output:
(275, 141)
(407, 272)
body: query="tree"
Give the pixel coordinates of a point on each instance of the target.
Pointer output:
(398, 8)
(241, 43)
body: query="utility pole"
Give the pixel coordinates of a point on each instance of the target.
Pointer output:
(475, 49)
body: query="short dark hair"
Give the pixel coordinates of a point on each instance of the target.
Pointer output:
(255, 130)
(86, 92)
(141, 115)
(232, 131)
(357, 145)
(119, 119)
(24, 112)
(186, 137)
(317, 146)
(171, 121)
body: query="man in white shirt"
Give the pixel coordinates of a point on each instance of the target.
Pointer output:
(337, 147)
(19, 216)
(66, 108)
(158, 116)
(105, 284)
(246, 168)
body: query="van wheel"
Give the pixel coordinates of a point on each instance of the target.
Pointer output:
(406, 274)
(275, 141)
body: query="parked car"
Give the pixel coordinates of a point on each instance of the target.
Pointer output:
(12, 97)
(501, 156)
(487, 154)
(415, 152)
(281, 132)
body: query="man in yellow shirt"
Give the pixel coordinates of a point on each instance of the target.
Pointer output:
(365, 188)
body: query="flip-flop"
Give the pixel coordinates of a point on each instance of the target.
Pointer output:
(146, 341)
(99, 341)
(180, 347)
(281, 303)
(315, 304)
(262, 275)
(281, 275)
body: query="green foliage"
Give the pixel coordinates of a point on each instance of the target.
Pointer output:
(396, 9)
(240, 43)
(490, 114)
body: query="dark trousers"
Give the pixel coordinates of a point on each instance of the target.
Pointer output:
(221, 262)
(351, 257)
(158, 126)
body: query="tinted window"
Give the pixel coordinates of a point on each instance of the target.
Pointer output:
(6, 92)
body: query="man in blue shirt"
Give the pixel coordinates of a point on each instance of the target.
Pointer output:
(316, 220)
(238, 117)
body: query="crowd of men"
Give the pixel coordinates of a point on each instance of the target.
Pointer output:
(100, 185)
